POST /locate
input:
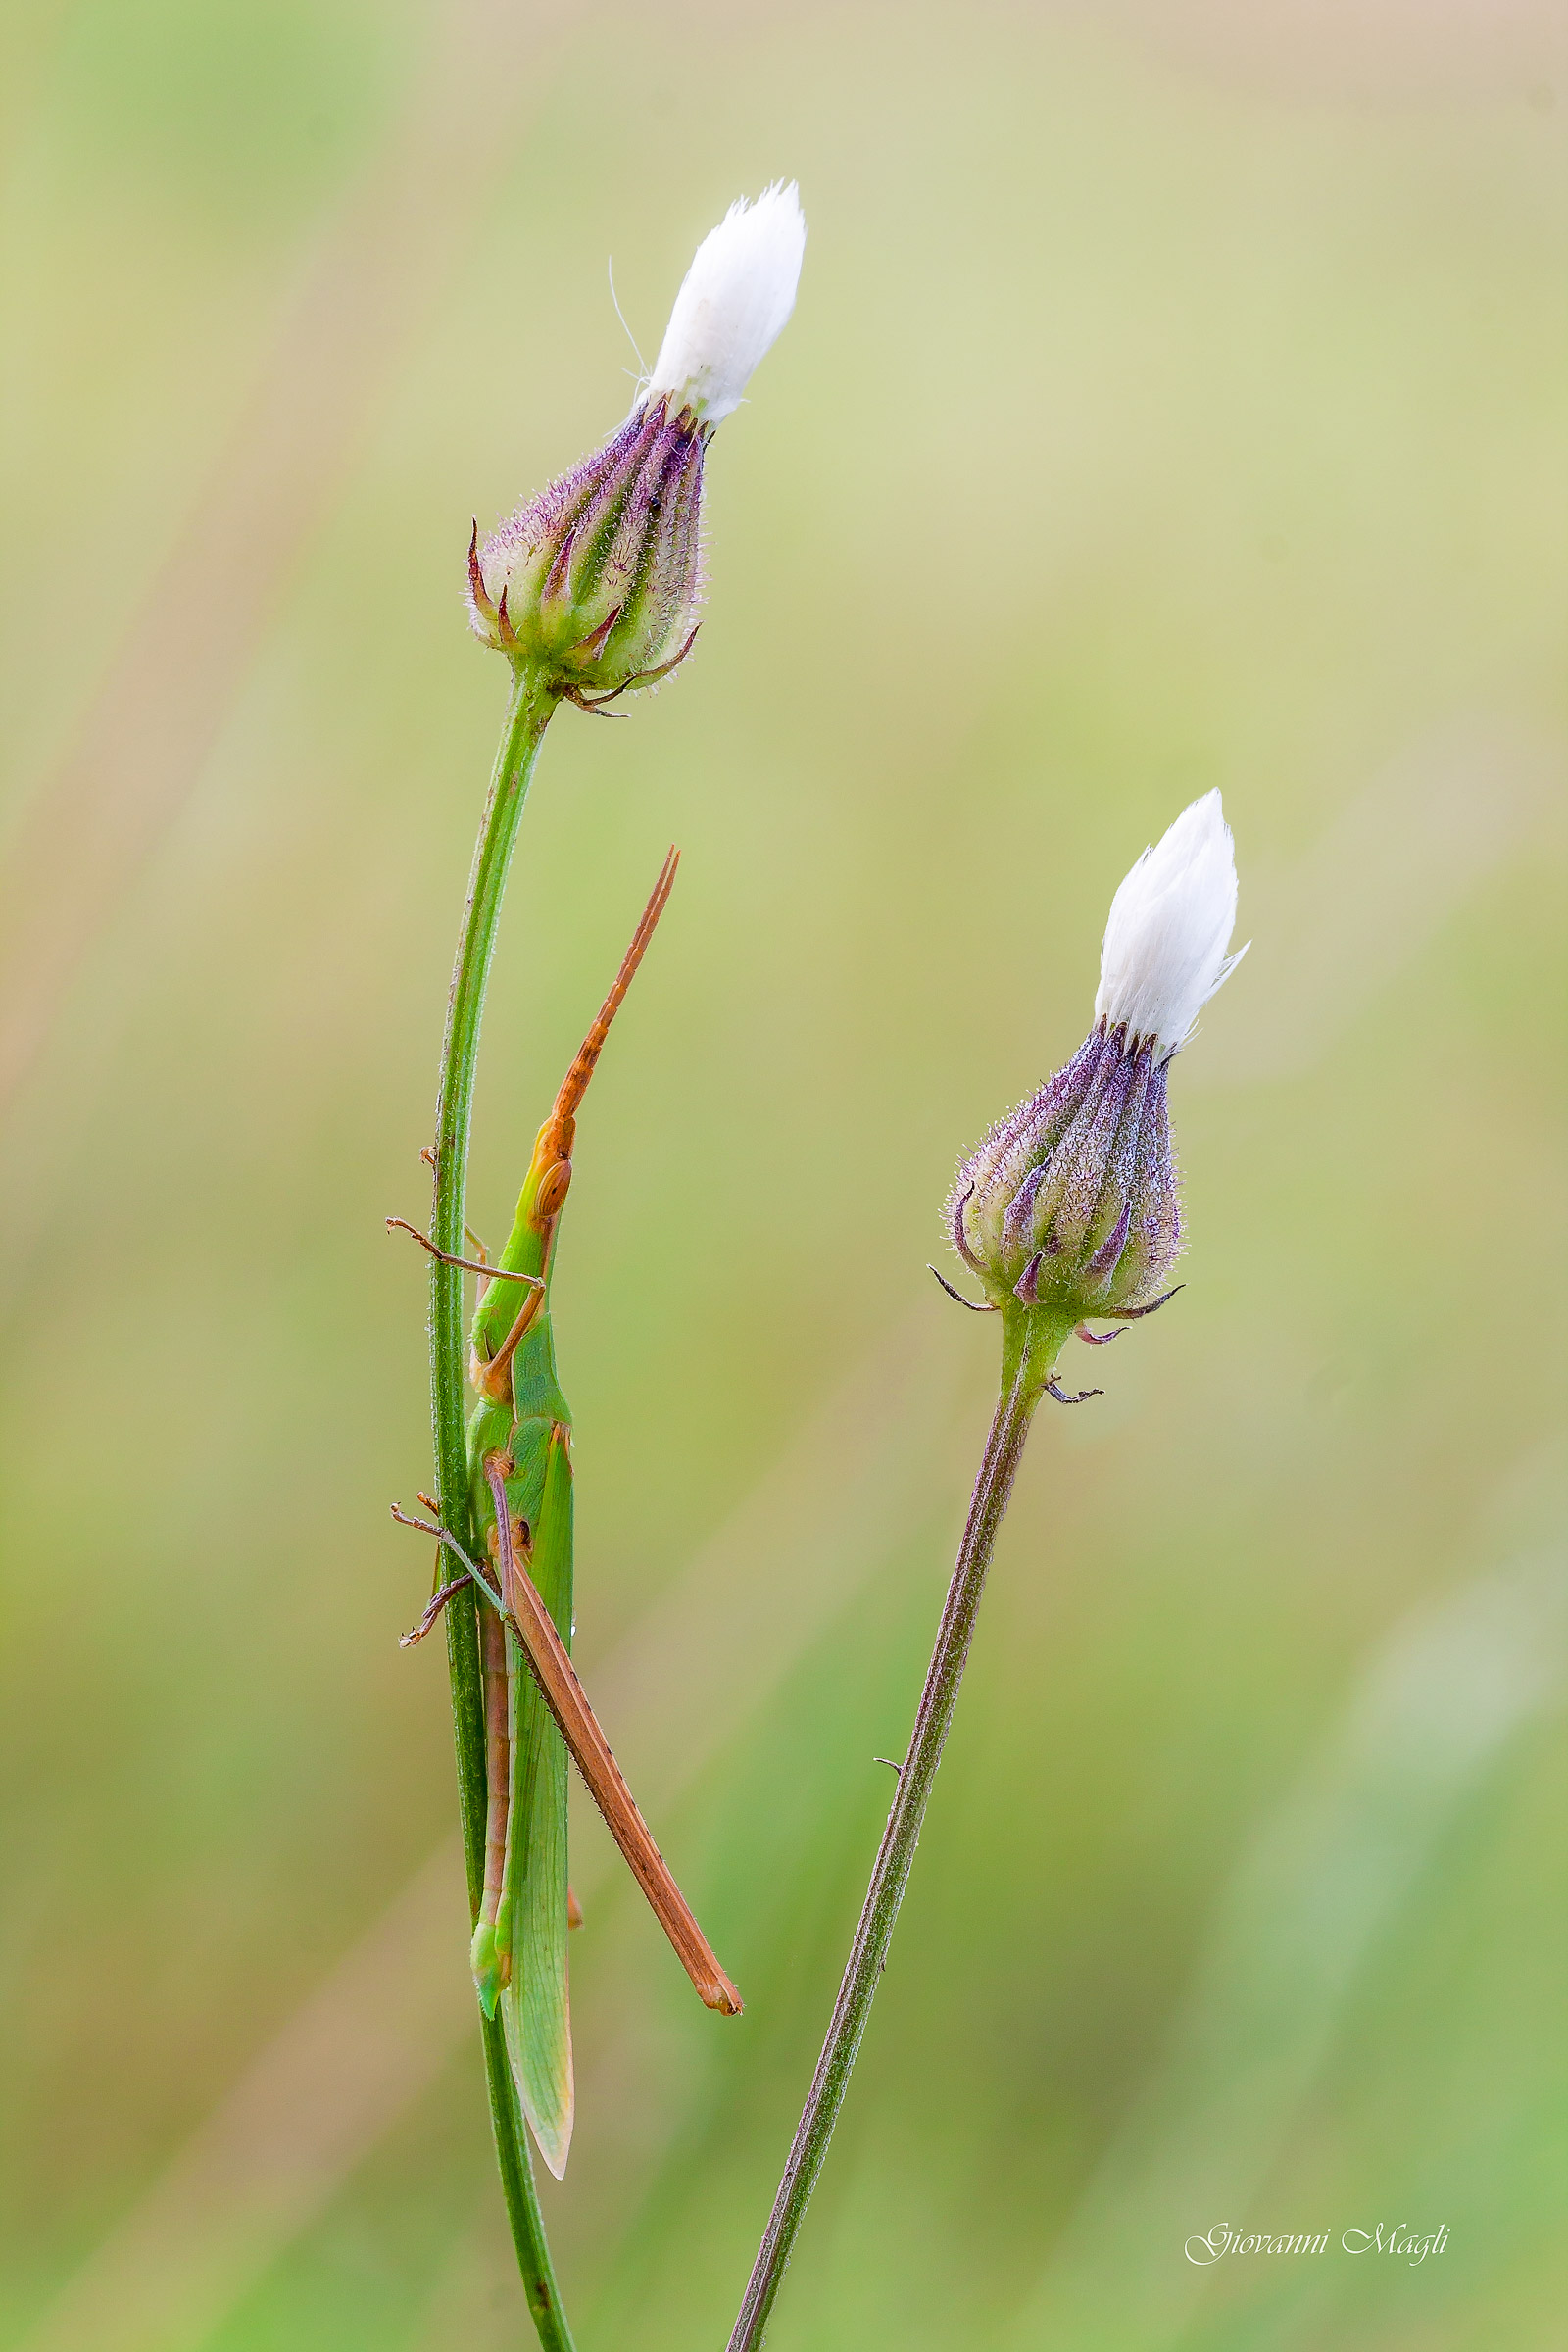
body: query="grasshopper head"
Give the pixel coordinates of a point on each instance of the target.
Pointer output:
(549, 1177)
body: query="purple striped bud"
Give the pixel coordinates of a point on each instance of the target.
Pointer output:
(595, 584)
(1070, 1203)
(1072, 1199)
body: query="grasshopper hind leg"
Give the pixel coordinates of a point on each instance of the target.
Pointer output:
(536, 2005)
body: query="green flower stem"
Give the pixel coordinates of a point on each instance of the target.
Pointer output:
(1030, 1346)
(526, 719)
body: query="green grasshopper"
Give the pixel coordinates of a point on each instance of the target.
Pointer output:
(520, 1476)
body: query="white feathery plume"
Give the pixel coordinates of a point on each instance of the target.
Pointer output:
(1169, 928)
(732, 305)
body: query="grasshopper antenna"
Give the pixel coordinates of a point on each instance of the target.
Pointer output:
(574, 1085)
(552, 1151)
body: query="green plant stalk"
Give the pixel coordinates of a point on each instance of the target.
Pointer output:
(528, 716)
(1031, 1343)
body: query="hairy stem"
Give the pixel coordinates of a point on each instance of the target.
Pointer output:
(1030, 1350)
(528, 716)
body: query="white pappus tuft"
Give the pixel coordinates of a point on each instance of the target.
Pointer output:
(732, 305)
(1171, 925)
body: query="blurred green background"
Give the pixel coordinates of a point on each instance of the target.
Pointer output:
(1174, 399)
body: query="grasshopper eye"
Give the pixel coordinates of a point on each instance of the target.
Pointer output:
(554, 1186)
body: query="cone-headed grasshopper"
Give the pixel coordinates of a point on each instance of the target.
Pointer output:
(519, 1460)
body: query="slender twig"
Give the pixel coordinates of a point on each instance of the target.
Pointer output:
(1029, 1354)
(526, 718)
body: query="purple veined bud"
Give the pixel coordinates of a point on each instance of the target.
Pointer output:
(597, 583)
(1070, 1203)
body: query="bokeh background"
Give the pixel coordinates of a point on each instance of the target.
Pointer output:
(1175, 399)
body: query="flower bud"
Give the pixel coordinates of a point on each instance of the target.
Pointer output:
(1070, 1203)
(596, 583)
